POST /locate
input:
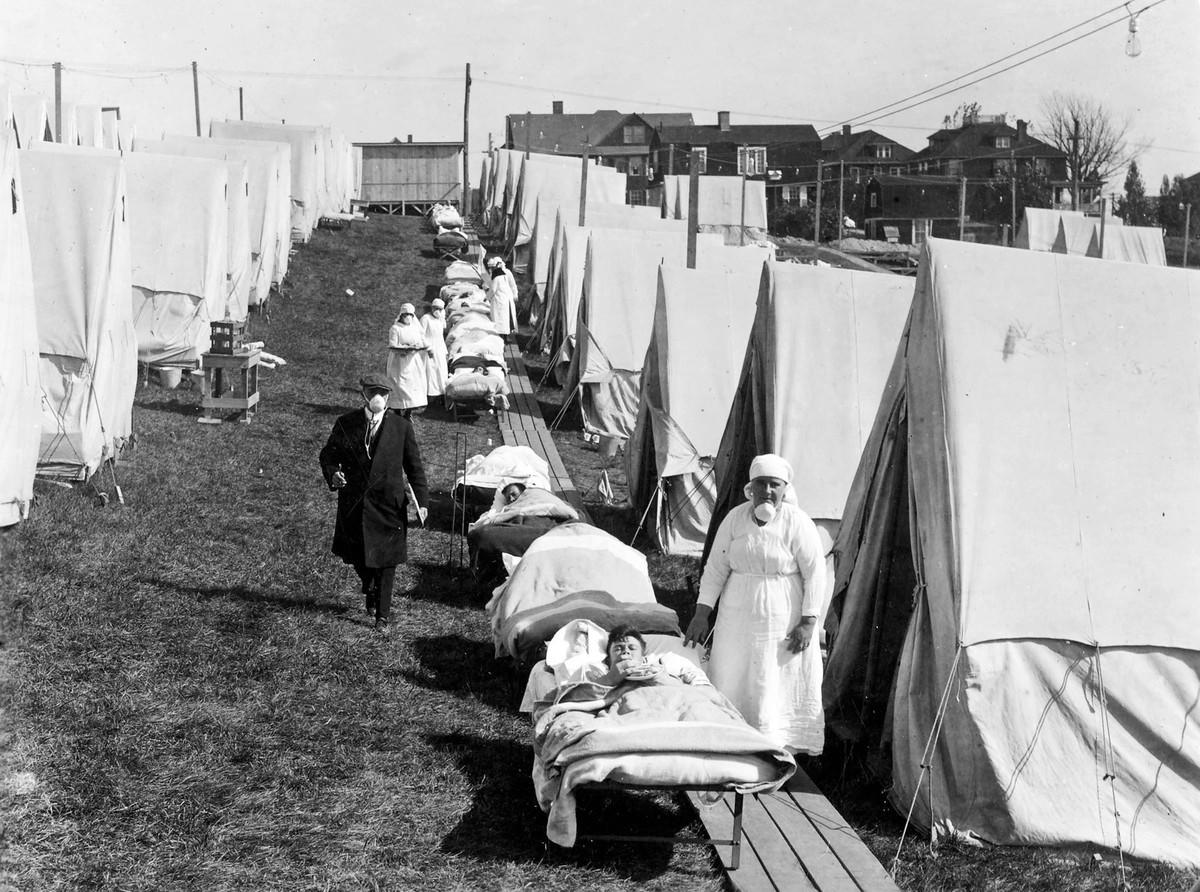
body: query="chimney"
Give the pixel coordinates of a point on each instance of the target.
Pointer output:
(556, 107)
(845, 131)
(1022, 128)
(723, 121)
(410, 137)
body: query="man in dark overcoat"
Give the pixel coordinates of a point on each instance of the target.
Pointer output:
(373, 461)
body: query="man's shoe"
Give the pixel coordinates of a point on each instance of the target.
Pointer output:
(371, 603)
(383, 627)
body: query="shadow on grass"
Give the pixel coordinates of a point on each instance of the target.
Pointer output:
(246, 595)
(503, 823)
(462, 666)
(173, 406)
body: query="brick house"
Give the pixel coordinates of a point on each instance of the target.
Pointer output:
(626, 141)
(785, 155)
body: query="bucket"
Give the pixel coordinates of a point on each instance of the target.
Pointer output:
(169, 377)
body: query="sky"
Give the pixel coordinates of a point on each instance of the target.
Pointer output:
(378, 69)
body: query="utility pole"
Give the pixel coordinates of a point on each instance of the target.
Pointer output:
(841, 201)
(817, 217)
(58, 101)
(742, 231)
(1012, 177)
(466, 198)
(241, 106)
(528, 127)
(1187, 230)
(583, 177)
(693, 206)
(1075, 167)
(962, 209)
(1103, 216)
(671, 159)
(196, 95)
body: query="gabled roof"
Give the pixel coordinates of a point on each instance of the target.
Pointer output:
(842, 147)
(978, 141)
(562, 134)
(749, 134)
(662, 120)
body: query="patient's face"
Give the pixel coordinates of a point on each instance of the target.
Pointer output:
(625, 650)
(512, 492)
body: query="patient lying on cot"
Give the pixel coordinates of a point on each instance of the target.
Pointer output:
(626, 664)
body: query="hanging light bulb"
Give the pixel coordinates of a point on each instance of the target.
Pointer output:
(1133, 43)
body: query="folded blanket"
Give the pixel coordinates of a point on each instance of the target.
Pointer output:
(685, 735)
(469, 384)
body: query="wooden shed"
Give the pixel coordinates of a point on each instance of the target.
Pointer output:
(398, 177)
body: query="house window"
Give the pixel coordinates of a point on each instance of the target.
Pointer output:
(634, 134)
(622, 165)
(752, 160)
(894, 171)
(636, 196)
(856, 172)
(1003, 142)
(1000, 167)
(795, 196)
(923, 167)
(701, 159)
(874, 200)
(635, 167)
(954, 168)
(876, 170)
(883, 151)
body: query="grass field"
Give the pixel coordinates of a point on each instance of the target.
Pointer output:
(193, 698)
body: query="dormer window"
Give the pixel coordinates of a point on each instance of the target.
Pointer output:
(633, 134)
(883, 150)
(1004, 142)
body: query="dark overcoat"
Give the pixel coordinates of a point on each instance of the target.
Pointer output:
(372, 515)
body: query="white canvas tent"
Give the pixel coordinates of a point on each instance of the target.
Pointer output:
(1031, 487)
(814, 368)
(80, 248)
(89, 126)
(702, 320)
(1039, 228)
(31, 116)
(722, 200)
(20, 393)
(263, 230)
(614, 319)
(307, 166)
(179, 227)
(1132, 244)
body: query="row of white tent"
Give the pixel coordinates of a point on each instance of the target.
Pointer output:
(115, 256)
(1070, 232)
(1003, 461)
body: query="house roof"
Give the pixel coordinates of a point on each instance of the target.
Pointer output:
(662, 120)
(562, 134)
(748, 134)
(977, 141)
(840, 146)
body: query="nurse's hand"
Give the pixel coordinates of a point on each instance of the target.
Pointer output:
(801, 637)
(697, 630)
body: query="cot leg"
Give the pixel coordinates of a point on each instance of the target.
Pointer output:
(735, 855)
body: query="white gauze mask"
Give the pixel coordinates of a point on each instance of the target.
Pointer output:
(765, 511)
(377, 403)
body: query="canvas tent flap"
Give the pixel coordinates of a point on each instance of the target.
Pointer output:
(835, 333)
(180, 225)
(1082, 359)
(20, 404)
(721, 202)
(306, 165)
(1039, 228)
(32, 119)
(1134, 244)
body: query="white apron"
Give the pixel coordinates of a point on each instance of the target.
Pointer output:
(437, 371)
(406, 366)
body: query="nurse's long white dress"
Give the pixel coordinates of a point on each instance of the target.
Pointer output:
(406, 366)
(437, 372)
(766, 578)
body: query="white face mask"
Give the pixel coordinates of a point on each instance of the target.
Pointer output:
(765, 511)
(377, 403)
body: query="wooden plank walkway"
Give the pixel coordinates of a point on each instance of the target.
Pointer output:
(522, 424)
(794, 840)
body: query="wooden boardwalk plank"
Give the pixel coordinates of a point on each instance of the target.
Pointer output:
(808, 846)
(751, 875)
(839, 835)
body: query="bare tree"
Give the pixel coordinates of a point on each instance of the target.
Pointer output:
(1103, 149)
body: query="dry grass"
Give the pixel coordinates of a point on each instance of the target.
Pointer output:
(194, 699)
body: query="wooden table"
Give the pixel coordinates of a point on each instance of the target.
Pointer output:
(230, 383)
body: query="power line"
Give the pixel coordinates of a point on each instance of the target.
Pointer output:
(991, 64)
(1008, 67)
